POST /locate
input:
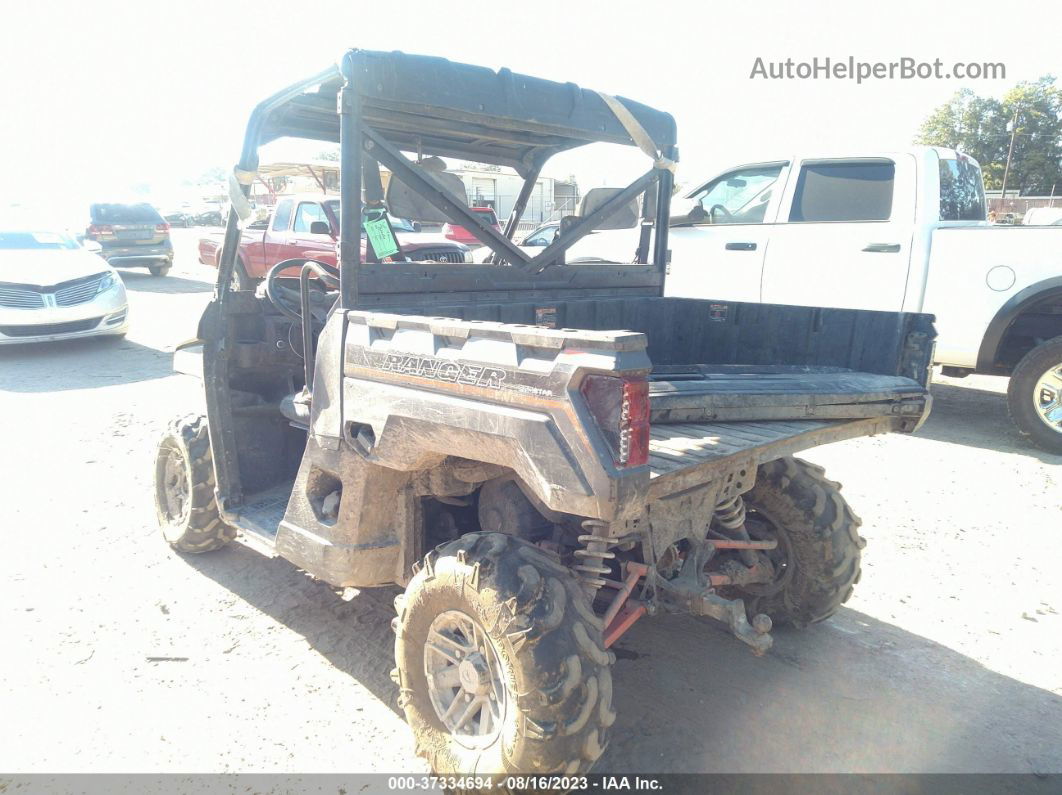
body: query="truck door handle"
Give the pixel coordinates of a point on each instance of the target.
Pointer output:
(740, 246)
(882, 248)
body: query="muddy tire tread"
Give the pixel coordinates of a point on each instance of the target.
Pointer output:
(824, 534)
(565, 704)
(205, 531)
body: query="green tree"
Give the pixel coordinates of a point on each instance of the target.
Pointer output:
(979, 126)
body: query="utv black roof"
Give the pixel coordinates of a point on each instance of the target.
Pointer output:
(433, 105)
(379, 104)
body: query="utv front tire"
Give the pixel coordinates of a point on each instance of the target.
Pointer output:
(184, 489)
(551, 693)
(1034, 395)
(817, 561)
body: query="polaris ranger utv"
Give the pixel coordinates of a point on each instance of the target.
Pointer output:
(540, 452)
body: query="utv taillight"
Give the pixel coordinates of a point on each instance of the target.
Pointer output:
(620, 407)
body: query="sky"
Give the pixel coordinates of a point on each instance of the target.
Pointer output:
(105, 98)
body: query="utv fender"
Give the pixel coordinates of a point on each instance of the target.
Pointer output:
(419, 428)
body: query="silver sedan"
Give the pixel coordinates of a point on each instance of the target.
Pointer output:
(52, 288)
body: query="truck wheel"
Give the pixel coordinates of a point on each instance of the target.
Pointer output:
(1034, 395)
(184, 489)
(817, 558)
(501, 665)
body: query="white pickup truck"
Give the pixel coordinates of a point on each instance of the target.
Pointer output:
(895, 231)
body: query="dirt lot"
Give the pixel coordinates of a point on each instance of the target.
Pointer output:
(123, 656)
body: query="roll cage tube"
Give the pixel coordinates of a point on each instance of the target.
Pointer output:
(378, 105)
(249, 163)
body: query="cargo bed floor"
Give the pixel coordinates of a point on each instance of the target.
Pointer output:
(699, 393)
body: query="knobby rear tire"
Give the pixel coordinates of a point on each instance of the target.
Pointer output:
(539, 619)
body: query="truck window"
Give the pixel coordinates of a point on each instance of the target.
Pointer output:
(281, 215)
(845, 191)
(962, 191)
(739, 197)
(307, 213)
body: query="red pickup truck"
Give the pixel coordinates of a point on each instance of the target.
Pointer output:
(297, 228)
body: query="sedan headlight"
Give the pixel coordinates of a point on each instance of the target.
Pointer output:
(108, 282)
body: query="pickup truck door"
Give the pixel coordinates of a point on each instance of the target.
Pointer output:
(844, 235)
(720, 252)
(276, 236)
(303, 243)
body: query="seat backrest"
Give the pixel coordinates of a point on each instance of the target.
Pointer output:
(625, 218)
(404, 202)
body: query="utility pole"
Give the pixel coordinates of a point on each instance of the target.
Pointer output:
(1010, 153)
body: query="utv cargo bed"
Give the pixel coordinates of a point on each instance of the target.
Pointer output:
(700, 393)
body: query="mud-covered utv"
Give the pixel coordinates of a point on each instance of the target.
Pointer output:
(541, 452)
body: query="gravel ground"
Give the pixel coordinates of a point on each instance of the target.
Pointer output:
(122, 656)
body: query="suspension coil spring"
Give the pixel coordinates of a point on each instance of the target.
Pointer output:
(731, 513)
(592, 559)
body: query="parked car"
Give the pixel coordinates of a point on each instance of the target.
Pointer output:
(890, 231)
(462, 235)
(542, 236)
(538, 238)
(308, 226)
(1043, 216)
(210, 216)
(132, 235)
(179, 218)
(52, 287)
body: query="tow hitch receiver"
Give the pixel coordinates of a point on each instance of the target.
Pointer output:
(732, 612)
(692, 591)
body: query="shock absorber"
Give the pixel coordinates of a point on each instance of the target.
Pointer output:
(591, 566)
(730, 513)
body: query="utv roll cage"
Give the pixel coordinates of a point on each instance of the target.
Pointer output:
(378, 104)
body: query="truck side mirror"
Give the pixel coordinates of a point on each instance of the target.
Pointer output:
(320, 228)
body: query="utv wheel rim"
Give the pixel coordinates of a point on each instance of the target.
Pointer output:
(1047, 398)
(762, 527)
(465, 681)
(173, 486)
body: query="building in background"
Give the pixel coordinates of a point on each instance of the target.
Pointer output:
(498, 187)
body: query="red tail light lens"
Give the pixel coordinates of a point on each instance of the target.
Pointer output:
(96, 231)
(620, 407)
(165, 227)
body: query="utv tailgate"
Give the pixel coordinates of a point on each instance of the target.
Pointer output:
(701, 393)
(683, 455)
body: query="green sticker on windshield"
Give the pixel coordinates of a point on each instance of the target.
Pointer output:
(380, 236)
